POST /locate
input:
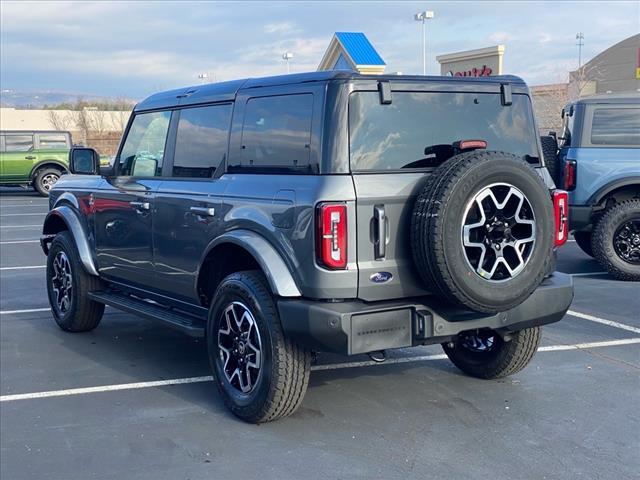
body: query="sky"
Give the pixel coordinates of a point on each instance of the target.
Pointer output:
(131, 49)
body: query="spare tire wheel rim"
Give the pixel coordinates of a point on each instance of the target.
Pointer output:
(498, 232)
(240, 347)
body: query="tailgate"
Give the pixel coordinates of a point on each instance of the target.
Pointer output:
(384, 203)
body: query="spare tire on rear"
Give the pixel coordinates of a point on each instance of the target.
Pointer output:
(482, 231)
(551, 160)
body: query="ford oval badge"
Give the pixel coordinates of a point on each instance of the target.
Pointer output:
(381, 277)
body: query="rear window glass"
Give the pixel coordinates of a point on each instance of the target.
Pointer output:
(616, 126)
(53, 141)
(201, 142)
(277, 132)
(418, 129)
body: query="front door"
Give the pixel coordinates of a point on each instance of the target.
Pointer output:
(18, 158)
(124, 205)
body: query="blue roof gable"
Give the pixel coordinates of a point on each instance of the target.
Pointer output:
(359, 48)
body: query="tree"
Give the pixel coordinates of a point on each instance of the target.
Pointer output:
(59, 120)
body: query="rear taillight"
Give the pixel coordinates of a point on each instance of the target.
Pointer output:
(332, 235)
(569, 175)
(561, 214)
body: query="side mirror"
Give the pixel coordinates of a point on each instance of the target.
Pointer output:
(553, 134)
(84, 161)
(144, 167)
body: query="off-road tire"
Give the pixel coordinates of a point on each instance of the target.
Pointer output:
(505, 358)
(551, 160)
(583, 240)
(436, 225)
(40, 177)
(602, 240)
(84, 314)
(284, 373)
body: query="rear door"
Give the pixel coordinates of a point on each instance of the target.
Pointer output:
(188, 205)
(393, 149)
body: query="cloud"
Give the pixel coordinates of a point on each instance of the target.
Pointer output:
(132, 48)
(281, 28)
(500, 37)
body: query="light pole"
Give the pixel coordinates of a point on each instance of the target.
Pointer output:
(580, 38)
(286, 56)
(423, 17)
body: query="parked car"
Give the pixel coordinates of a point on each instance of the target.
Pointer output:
(320, 212)
(599, 164)
(34, 158)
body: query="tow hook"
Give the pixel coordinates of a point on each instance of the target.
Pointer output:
(378, 357)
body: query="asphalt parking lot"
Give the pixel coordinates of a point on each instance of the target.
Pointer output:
(134, 400)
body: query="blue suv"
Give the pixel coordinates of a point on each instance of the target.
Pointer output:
(599, 165)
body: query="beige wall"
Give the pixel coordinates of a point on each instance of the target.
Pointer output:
(17, 119)
(98, 129)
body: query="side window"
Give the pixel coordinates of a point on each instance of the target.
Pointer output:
(201, 141)
(277, 133)
(616, 126)
(142, 154)
(52, 141)
(19, 143)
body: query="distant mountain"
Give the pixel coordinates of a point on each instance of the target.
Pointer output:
(38, 99)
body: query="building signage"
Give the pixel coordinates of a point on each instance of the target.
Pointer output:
(482, 62)
(474, 72)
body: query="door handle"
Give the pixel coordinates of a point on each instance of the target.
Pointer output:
(380, 234)
(140, 205)
(203, 211)
(30, 157)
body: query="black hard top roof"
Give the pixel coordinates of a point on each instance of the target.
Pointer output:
(610, 98)
(226, 91)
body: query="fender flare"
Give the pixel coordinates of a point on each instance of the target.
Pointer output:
(44, 163)
(603, 191)
(278, 275)
(78, 232)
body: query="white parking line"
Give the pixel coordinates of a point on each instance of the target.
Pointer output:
(30, 310)
(19, 241)
(603, 321)
(21, 214)
(336, 366)
(23, 268)
(6, 205)
(19, 226)
(588, 274)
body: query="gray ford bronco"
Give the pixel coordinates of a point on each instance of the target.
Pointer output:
(321, 212)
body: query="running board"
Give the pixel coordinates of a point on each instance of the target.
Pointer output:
(186, 323)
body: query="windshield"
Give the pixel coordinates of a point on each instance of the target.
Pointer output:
(419, 129)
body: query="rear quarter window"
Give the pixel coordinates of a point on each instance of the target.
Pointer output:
(418, 129)
(276, 134)
(616, 126)
(53, 141)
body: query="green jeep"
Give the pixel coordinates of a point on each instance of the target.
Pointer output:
(33, 157)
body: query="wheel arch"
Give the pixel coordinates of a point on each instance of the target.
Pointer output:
(64, 218)
(47, 163)
(243, 250)
(621, 189)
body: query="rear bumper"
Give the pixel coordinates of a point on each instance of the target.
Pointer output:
(579, 217)
(355, 326)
